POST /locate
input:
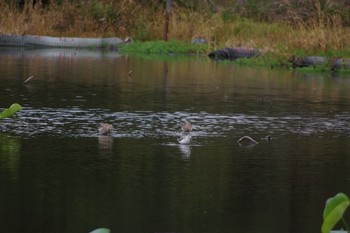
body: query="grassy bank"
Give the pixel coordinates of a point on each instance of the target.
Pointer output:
(324, 31)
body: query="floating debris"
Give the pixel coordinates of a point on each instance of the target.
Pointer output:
(28, 79)
(245, 138)
(268, 138)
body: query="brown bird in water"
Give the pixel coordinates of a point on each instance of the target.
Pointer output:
(105, 129)
(186, 127)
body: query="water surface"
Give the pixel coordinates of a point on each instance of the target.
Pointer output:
(58, 175)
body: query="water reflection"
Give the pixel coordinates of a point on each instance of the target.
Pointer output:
(247, 145)
(185, 150)
(105, 144)
(10, 155)
(52, 53)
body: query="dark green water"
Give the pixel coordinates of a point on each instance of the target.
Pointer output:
(58, 175)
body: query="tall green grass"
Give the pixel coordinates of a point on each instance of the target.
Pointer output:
(162, 47)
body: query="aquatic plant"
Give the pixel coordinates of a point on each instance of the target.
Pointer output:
(9, 112)
(101, 230)
(334, 211)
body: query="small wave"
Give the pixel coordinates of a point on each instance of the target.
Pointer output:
(75, 122)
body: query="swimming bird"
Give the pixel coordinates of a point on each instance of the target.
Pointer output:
(186, 139)
(186, 127)
(105, 129)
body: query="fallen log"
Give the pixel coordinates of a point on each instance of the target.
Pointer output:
(58, 42)
(314, 61)
(234, 53)
(307, 61)
(340, 63)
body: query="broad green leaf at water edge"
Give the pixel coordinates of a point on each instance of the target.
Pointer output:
(101, 230)
(8, 112)
(334, 210)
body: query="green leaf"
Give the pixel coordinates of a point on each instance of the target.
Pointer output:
(334, 210)
(8, 112)
(16, 107)
(101, 230)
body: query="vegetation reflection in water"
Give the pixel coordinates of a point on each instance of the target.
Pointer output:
(140, 179)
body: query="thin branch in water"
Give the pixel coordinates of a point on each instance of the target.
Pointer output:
(28, 79)
(247, 138)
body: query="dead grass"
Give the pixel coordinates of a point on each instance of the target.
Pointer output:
(107, 18)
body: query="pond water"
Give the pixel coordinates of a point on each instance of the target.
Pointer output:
(58, 175)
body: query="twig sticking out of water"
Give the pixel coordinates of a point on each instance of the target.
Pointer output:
(268, 138)
(28, 79)
(247, 138)
(130, 73)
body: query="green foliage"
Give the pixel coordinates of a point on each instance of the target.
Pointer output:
(252, 8)
(100, 10)
(9, 112)
(101, 230)
(334, 211)
(142, 32)
(265, 60)
(163, 47)
(227, 16)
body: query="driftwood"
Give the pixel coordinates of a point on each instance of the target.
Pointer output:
(27, 80)
(234, 53)
(249, 142)
(307, 61)
(314, 61)
(247, 138)
(297, 62)
(341, 63)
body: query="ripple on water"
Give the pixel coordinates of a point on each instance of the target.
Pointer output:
(75, 122)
